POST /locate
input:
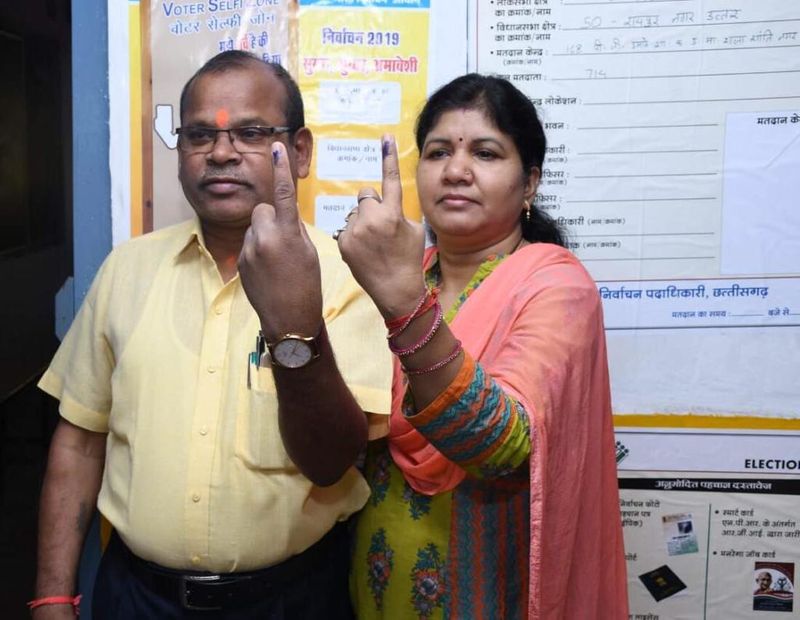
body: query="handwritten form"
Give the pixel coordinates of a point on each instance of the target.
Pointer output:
(673, 152)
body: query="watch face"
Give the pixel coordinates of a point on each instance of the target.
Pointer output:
(292, 353)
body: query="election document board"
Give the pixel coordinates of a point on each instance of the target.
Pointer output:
(673, 160)
(710, 522)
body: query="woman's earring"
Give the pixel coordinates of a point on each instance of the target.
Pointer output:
(527, 207)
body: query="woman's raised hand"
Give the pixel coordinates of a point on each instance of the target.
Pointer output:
(382, 248)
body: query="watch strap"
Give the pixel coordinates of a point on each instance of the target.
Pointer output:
(267, 353)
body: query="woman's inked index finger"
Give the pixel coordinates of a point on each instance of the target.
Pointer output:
(391, 187)
(284, 196)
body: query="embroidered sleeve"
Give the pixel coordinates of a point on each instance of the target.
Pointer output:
(475, 424)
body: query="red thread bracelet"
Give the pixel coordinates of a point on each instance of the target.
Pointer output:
(57, 600)
(400, 320)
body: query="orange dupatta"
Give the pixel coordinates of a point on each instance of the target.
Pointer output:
(536, 326)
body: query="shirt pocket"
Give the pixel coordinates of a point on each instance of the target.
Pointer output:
(258, 438)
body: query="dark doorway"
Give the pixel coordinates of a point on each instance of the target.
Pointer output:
(35, 261)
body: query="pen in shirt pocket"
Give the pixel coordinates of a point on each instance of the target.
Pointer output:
(257, 358)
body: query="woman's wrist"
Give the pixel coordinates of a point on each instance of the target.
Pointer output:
(401, 302)
(398, 324)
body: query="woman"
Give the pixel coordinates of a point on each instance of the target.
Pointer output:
(494, 494)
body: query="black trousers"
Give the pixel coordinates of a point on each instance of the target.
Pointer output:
(318, 593)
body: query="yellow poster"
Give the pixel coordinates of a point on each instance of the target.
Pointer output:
(362, 68)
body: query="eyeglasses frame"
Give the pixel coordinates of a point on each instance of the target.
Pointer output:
(270, 130)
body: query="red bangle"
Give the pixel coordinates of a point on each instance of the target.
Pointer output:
(440, 364)
(426, 338)
(398, 325)
(57, 600)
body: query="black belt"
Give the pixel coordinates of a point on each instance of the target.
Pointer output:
(207, 591)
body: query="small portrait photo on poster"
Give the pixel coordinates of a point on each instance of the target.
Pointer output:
(774, 586)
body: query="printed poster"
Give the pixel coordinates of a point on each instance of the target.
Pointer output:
(673, 135)
(667, 124)
(180, 37)
(710, 520)
(362, 67)
(363, 70)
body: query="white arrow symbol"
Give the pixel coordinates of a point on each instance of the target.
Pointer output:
(163, 126)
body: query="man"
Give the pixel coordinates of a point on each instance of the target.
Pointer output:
(223, 462)
(764, 583)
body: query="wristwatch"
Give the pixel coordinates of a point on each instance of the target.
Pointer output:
(294, 350)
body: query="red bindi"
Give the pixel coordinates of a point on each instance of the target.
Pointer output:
(221, 118)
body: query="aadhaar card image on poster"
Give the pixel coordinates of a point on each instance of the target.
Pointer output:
(679, 534)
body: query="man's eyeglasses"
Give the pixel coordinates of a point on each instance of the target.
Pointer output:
(252, 139)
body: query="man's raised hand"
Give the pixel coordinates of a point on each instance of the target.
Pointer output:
(278, 264)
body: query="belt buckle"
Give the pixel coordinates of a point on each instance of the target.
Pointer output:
(185, 593)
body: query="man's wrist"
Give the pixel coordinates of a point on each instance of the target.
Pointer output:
(272, 332)
(61, 599)
(293, 350)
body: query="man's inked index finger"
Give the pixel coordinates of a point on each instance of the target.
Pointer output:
(391, 187)
(284, 195)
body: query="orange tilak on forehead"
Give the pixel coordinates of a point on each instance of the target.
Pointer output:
(222, 118)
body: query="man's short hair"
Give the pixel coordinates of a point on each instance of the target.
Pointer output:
(238, 59)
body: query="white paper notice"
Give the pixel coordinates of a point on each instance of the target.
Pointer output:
(360, 103)
(348, 159)
(657, 162)
(761, 204)
(330, 211)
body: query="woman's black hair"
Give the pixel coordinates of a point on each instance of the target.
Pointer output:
(514, 115)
